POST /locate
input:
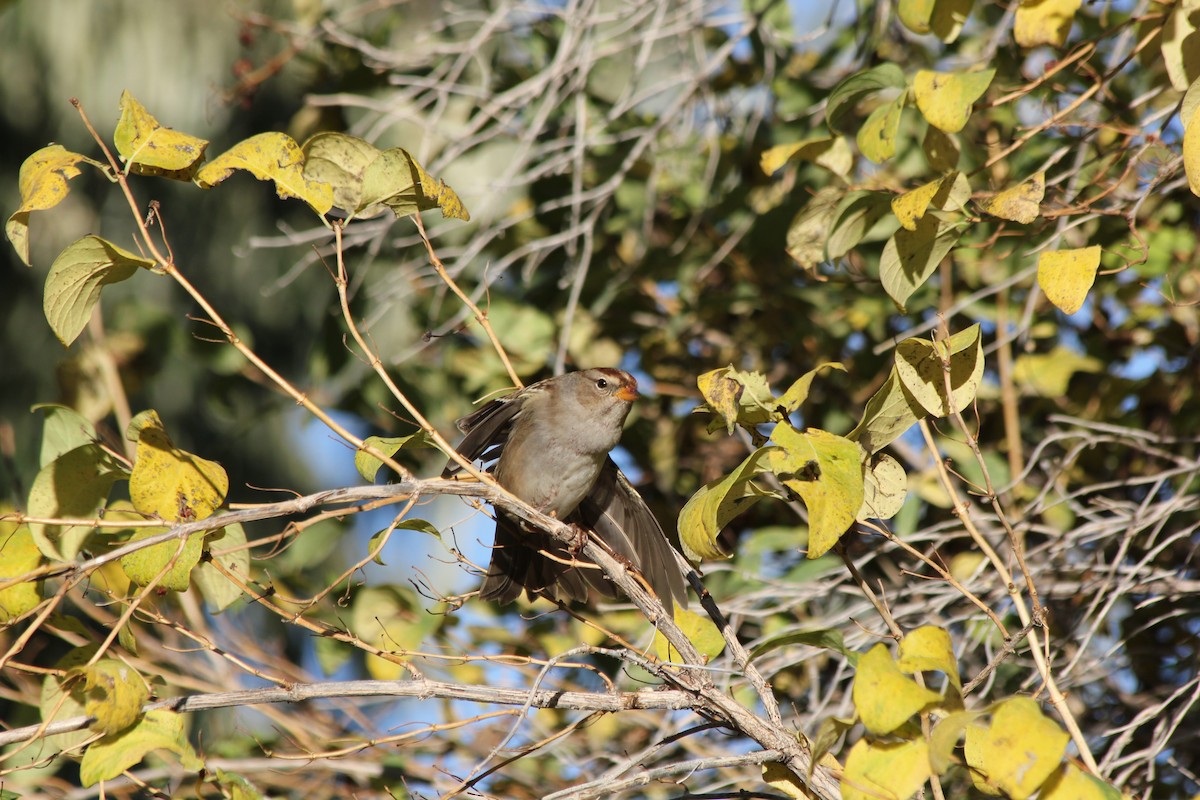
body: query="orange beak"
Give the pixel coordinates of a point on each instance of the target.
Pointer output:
(628, 392)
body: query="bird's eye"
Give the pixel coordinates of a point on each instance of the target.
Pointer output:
(601, 383)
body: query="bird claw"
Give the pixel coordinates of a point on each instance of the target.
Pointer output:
(580, 537)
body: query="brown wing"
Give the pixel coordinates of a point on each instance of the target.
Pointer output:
(619, 516)
(486, 431)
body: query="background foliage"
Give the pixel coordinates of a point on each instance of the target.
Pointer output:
(612, 157)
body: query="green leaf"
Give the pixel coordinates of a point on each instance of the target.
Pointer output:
(341, 161)
(797, 393)
(115, 753)
(883, 695)
(143, 566)
(115, 694)
(271, 157)
(404, 525)
(921, 369)
(847, 94)
(826, 472)
(43, 184)
(910, 257)
(64, 429)
(877, 136)
(368, 465)
(856, 215)
(151, 149)
(399, 182)
(827, 638)
(76, 278)
(228, 548)
(74, 485)
(889, 413)
(710, 509)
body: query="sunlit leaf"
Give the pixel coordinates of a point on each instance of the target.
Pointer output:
(929, 648)
(945, 98)
(885, 487)
(115, 753)
(890, 412)
(1020, 203)
(1018, 751)
(885, 697)
(19, 555)
(368, 465)
(43, 184)
(877, 136)
(700, 631)
(1066, 276)
(227, 547)
(149, 148)
(115, 694)
(170, 483)
(948, 192)
(271, 157)
(1040, 22)
(397, 180)
(830, 152)
(341, 161)
(1069, 782)
(710, 509)
(921, 368)
(893, 770)
(825, 470)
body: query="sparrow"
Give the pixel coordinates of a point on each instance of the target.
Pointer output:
(551, 443)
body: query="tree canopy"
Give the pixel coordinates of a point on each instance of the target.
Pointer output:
(911, 291)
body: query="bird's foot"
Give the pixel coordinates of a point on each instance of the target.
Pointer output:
(580, 537)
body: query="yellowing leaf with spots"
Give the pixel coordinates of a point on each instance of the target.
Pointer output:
(885, 697)
(1017, 752)
(826, 471)
(168, 564)
(271, 157)
(1066, 276)
(877, 137)
(1020, 203)
(170, 483)
(945, 98)
(1042, 22)
(892, 770)
(152, 149)
(699, 630)
(949, 191)
(43, 184)
(115, 693)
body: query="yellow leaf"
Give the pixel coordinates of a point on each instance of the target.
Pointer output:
(1180, 44)
(1018, 751)
(1072, 783)
(341, 161)
(1191, 153)
(945, 98)
(830, 152)
(710, 509)
(1041, 22)
(700, 631)
(949, 191)
(150, 148)
(885, 770)
(929, 648)
(784, 781)
(1066, 276)
(270, 157)
(885, 697)
(170, 483)
(827, 472)
(877, 137)
(943, 739)
(885, 488)
(115, 694)
(43, 184)
(915, 14)
(398, 181)
(921, 368)
(1020, 203)
(390, 620)
(18, 556)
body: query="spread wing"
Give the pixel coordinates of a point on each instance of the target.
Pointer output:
(619, 516)
(486, 431)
